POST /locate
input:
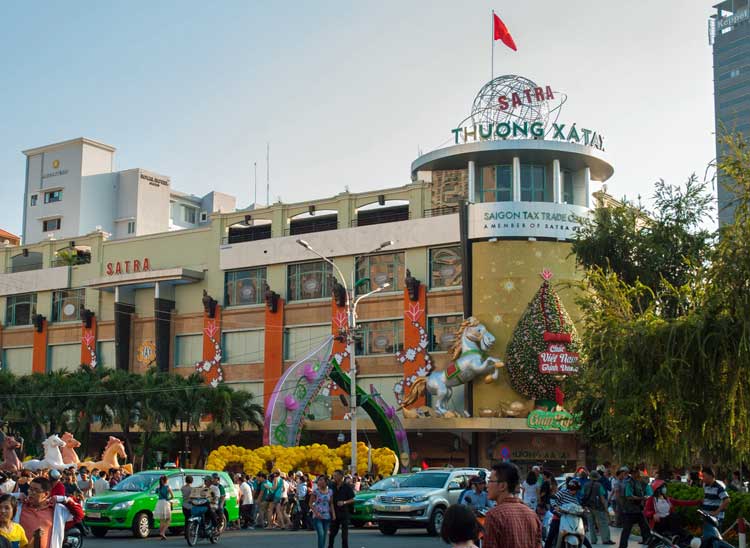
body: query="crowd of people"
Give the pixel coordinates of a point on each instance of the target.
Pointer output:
(526, 514)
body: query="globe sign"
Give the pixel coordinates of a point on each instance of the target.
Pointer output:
(486, 108)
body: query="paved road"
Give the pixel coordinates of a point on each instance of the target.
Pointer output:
(358, 538)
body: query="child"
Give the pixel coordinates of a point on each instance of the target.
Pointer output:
(8, 528)
(545, 516)
(460, 527)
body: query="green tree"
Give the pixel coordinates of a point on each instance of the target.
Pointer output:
(668, 357)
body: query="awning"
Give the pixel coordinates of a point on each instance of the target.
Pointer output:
(138, 280)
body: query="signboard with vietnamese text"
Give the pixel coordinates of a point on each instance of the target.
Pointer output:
(525, 219)
(562, 421)
(556, 360)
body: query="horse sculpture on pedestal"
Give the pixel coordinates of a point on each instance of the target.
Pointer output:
(52, 456)
(11, 462)
(469, 362)
(114, 448)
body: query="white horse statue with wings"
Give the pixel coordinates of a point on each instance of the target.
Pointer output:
(52, 456)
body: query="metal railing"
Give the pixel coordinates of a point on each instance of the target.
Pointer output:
(381, 218)
(307, 227)
(26, 267)
(247, 236)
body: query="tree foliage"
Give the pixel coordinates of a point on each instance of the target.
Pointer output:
(666, 327)
(39, 404)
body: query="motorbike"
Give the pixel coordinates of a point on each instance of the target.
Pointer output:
(572, 531)
(711, 537)
(199, 527)
(481, 514)
(74, 537)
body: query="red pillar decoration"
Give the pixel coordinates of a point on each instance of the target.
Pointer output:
(39, 358)
(88, 344)
(274, 350)
(415, 358)
(339, 321)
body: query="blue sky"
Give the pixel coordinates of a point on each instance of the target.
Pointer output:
(345, 92)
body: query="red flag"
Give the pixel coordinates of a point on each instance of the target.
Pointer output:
(502, 33)
(425, 466)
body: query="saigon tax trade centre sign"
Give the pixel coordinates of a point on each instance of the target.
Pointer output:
(525, 220)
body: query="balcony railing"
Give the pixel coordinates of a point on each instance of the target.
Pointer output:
(250, 234)
(307, 226)
(380, 216)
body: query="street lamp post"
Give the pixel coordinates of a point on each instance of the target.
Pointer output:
(351, 313)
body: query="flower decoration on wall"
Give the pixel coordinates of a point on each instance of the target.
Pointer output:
(211, 370)
(412, 354)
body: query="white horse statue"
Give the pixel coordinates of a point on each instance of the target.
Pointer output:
(469, 362)
(52, 456)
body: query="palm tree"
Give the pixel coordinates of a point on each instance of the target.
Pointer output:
(124, 401)
(91, 402)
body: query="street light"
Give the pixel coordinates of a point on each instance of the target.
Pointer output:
(351, 312)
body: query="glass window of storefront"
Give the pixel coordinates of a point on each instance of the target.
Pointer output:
(495, 184)
(67, 304)
(382, 337)
(244, 286)
(188, 350)
(20, 308)
(442, 332)
(533, 183)
(445, 267)
(243, 346)
(300, 341)
(308, 281)
(380, 269)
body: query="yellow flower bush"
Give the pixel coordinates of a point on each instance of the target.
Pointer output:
(314, 459)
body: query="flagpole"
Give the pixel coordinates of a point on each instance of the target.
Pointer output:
(492, 47)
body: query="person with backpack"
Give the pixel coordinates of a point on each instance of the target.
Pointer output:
(595, 501)
(633, 495)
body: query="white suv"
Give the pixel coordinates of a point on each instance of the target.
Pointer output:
(422, 499)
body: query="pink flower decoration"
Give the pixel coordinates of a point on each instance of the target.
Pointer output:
(290, 403)
(309, 372)
(546, 274)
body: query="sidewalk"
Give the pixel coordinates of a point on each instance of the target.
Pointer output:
(615, 534)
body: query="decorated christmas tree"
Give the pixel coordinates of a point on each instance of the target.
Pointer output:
(544, 347)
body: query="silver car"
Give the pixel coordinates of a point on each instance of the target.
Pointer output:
(422, 499)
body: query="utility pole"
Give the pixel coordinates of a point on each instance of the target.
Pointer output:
(268, 174)
(255, 197)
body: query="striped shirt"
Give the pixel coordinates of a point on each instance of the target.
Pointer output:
(713, 496)
(563, 496)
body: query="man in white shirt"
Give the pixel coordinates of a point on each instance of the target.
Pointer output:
(246, 503)
(101, 485)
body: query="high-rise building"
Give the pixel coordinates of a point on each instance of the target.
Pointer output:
(729, 34)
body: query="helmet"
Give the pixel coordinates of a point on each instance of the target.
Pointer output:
(574, 484)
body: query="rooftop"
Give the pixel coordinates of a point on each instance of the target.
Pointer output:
(82, 140)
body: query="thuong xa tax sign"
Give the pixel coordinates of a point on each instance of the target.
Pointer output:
(525, 220)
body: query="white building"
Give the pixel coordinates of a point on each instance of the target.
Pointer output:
(72, 189)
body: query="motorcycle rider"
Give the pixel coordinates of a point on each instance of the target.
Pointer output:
(210, 493)
(476, 498)
(566, 495)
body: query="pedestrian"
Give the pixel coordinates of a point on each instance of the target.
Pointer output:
(594, 500)
(547, 489)
(530, 490)
(163, 510)
(39, 511)
(10, 530)
(186, 491)
(715, 497)
(460, 527)
(264, 497)
(101, 485)
(633, 496)
(510, 524)
(85, 484)
(303, 497)
(322, 510)
(343, 500)
(246, 503)
(659, 511)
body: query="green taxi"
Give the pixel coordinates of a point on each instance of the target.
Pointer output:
(362, 512)
(131, 503)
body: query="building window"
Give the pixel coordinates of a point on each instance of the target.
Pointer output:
(300, 341)
(188, 350)
(204, 216)
(445, 267)
(381, 269)
(244, 286)
(131, 227)
(308, 281)
(188, 214)
(568, 195)
(243, 347)
(34, 198)
(442, 332)
(383, 337)
(51, 224)
(734, 73)
(20, 308)
(67, 304)
(52, 196)
(496, 184)
(533, 179)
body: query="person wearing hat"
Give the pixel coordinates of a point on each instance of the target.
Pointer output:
(476, 497)
(659, 510)
(594, 499)
(633, 497)
(57, 488)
